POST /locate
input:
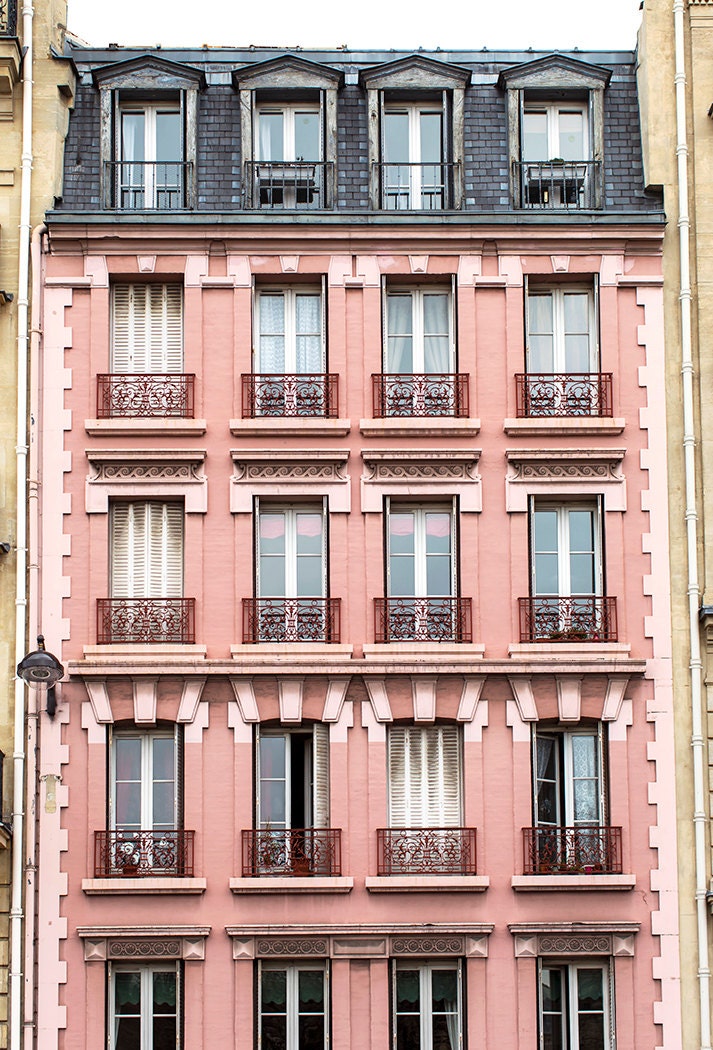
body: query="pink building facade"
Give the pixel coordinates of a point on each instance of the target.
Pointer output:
(352, 537)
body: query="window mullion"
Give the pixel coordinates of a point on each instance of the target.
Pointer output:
(147, 781)
(418, 326)
(426, 1013)
(568, 779)
(563, 551)
(290, 331)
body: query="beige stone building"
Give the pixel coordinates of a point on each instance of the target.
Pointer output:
(36, 91)
(676, 97)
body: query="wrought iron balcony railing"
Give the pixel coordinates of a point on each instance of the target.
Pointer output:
(423, 619)
(292, 851)
(571, 619)
(132, 185)
(123, 395)
(142, 621)
(581, 394)
(314, 394)
(291, 620)
(134, 853)
(8, 17)
(288, 185)
(568, 185)
(425, 394)
(426, 851)
(572, 851)
(417, 187)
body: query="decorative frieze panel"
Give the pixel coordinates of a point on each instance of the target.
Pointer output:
(427, 945)
(268, 947)
(565, 472)
(441, 474)
(293, 474)
(146, 943)
(146, 474)
(361, 942)
(567, 939)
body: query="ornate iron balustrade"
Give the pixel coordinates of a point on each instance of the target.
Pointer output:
(423, 619)
(417, 187)
(570, 619)
(291, 620)
(132, 185)
(292, 851)
(140, 853)
(8, 17)
(573, 394)
(572, 851)
(145, 620)
(569, 185)
(420, 394)
(426, 851)
(288, 185)
(145, 394)
(314, 394)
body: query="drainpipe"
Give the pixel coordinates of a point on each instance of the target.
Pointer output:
(21, 450)
(689, 448)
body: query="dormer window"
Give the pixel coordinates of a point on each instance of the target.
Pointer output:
(151, 171)
(414, 175)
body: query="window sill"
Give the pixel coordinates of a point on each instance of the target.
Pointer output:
(290, 426)
(427, 883)
(573, 883)
(419, 426)
(292, 884)
(289, 652)
(444, 650)
(156, 885)
(144, 426)
(531, 651)
(553, 426)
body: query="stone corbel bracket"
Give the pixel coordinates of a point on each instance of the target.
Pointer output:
(564, 472)
(292, 474)
(146, 474)
(408, 473)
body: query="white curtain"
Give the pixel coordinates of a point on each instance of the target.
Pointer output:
(436, 340)
(272, 334)
(399, 349)
(308, 334)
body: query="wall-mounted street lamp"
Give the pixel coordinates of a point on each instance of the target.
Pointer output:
(42, 670)
(5, 297)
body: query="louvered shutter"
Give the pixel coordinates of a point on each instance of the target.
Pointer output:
(128, 550)
(165, 550)
(320, 775)
(424, 776)
(147, 328)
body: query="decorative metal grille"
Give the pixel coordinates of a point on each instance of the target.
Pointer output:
(570, 619)
(426, 394)
(8, 17)
(290, 395)
(581, 394)
(149, 185)
(145, 394)
(288, 185)
(426, 851)
(146, 620)
(291, 620)
(572, 851)
(420, 187)
(423, 619)
(292, 851)
(140, 853)
(569, 185)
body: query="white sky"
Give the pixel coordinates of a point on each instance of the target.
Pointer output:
(449, 24)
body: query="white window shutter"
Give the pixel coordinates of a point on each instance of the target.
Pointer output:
(397, 777)
(165, 550)
(147, 328)
(121, 355)
(424, 776)
(320, 775)
(448, 801)
(128, 550)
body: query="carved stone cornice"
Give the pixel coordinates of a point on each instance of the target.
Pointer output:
(146, 474)
(102, 943)
(448, 473)
(296, 472)
(573, 938)
(361, 941)
(565, 471)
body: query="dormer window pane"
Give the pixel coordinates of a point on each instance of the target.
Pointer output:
(534, 137)
(168, 136)
(288, 135)
(571, 135)
(306, 136)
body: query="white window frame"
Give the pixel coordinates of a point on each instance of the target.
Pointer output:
(564, 549)
(437, 752)
(316, 780)
(565, 780)
(420, 513)
(558, 293)
(288, 110)
(553, 111)
(146, 972)
(293, 971)
(151, 187)
(417, 294)
(146, 328)
(413, 193)
(570, 1005)
(290, 512)
(289, 295)
(146, 549)
(426, 971)
(146, 738)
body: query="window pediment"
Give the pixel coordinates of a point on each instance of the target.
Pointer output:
(391, 472)
(154, 473)
(565, 472)
(288, 72)
(148, 73)
(554, 72)
(292, 474)
(416, 73)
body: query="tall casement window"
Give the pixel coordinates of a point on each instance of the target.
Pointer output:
(147, 328)
(427, 1011)
(144, 1007)
(414, 155)
(575, 1006)
(151, 172)
(289, 132)
(146, 550)
(566, 546)
(293, 1006)
(553, 130)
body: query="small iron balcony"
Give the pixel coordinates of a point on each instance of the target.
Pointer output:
(291, 620)
(132, 185)
(568, 185)
(288, 185)
(426, 186)
(292, 851)
(423, 619)
(426, 851)
(144, 394)
(572, 851)
(8, 17)
(576, 618)
(314, 394)
(138, 854)
(143, 621)
(420, 394)
(580, 394)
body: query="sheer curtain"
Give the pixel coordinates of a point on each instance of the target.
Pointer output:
(272, 334)
(436, 339)
(308, 334)
(399, 348)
